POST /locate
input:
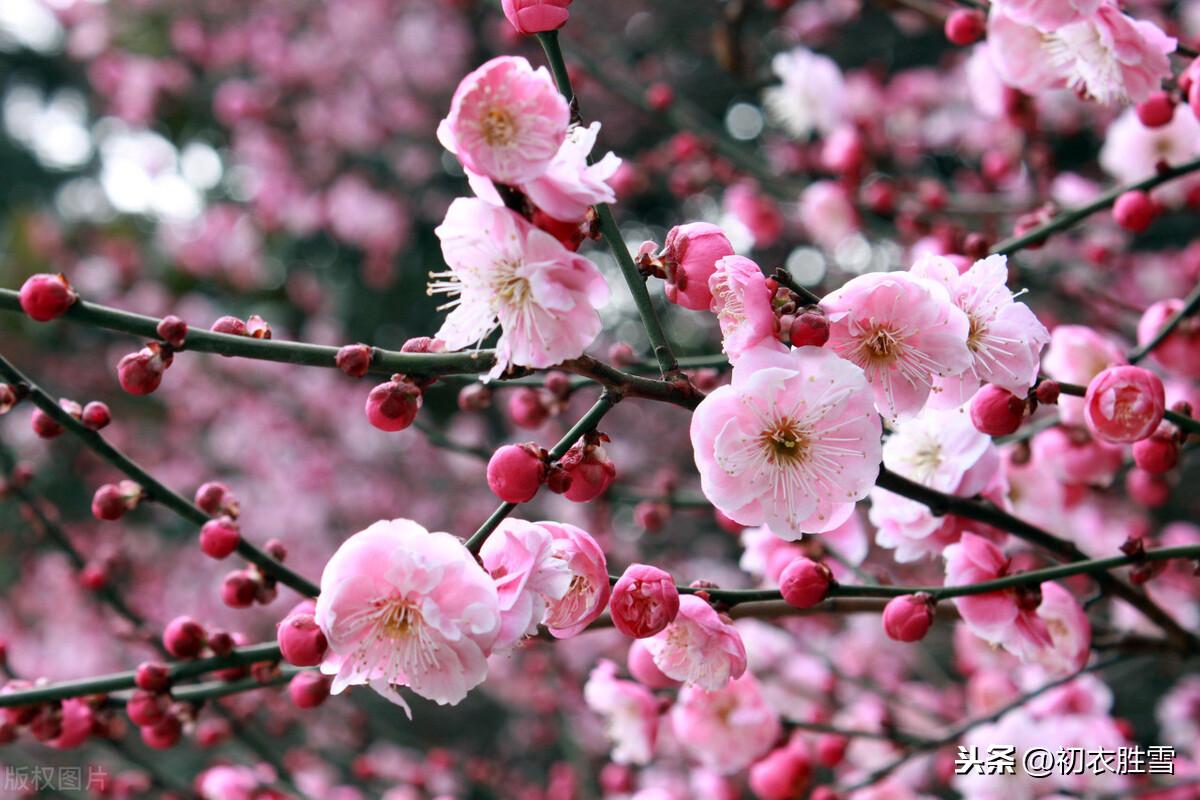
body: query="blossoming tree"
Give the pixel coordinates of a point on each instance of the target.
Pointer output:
(806, 452)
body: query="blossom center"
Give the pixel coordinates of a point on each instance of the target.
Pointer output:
(401, 619)
(881, 346)
(786, 443)
(499, 128)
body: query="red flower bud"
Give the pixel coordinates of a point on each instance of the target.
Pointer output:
(804, 582)
(515, 472)
(644, 601)
(354, 360)
(392, 406)
(908, 618)
(45, 297)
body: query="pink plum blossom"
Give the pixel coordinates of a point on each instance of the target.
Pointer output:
(728, 729)
(828, 214)
(630, 713)
(690, 255)
(1047, 15)
(941, 450)
(506, 273)
(792, 443)
(903, 331)
(811, 97)
(507, 121)
(570, 185)
(1004, 338)
(1179, 352)
(401, 606)
(588, 590)
(518, 555)
(698, 647)
(742, 303)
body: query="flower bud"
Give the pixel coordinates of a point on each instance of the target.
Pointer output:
(45, 297)
(965, 26)
(474, 397)
(908, 618)
(804, 582)
(145, 707)
(301, 641)
(45, 425)
(141, 373)
(526, 408)
(515, 472)
(111, 501)
(1124, 404)
(219, 537)
(591, 472)
(690, 258)
(153, 676)
(1156, 454)
(810, 328)
(536, 16)
(782, 775)
(996, 411)
(1149, 490)
(650, 515)
(173, 331)
(644, 601)
(1134, 211)
(239, 589)
(309, 689)
(257, 327)
(354, 360)
(393, 406)
(1157, 110)
(229, 325)
(164, 734)
(96, 415)
(1047, 392)
(184, 637)
(216, 499)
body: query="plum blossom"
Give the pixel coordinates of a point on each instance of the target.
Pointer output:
(1044, 624)
(903, 331)
(1047, 15)
(698, 647)
(725, 730)
(518, 555)
(1076, 355)
(507, 121)
(588, 591)
(570, 185)
(1106, 55)
(812, 95)
(630, 712)
(742, 303)
(1132, 151)
(506, 273)
(792, 442)
(828, 213)
(944, 451)
(1004, 338)
(401, 606)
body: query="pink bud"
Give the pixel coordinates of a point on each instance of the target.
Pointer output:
(145, 707)
(309, 689)
(45, 425)
(1124, 404)
(660, 96)
(163, 735)
(141, 373)
(591, 472)
(1047, 392)
(258, 327)
(108, 503)
(644, 601)
(93, 577)
(804, 582)
(219, 537)
(996, 411)
(831, 749)
(216, 499)
(810, 328)
(239, 589)
(536, 16)
(393, 406)
(1149, 490)
(474, 397)
(172, 330)
(153, 676)
(1156, 454)
(651, 515)
(908, 618)
(229, 325)
(184, 637)
(354, 360)
(8, 398)
(45, 297)
(301, 641)
(965, 26)
(1157, 110)
(1134, 211)
(515, 472)
(782, 775)
(643, 669)
(622, 354)
(96, 415)
(690, 257)
(526, 408)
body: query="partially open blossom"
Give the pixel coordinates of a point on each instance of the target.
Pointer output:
(392, 406)
(630, 713)
(698, 647)
(111, 501)
(571, 185)
(515, 472)
(690, 255)
(520, 557)
(142, 372)
(507, 121)
(1004, 338)
(536, 16)
(401, 606)
(742, 303)
(792, 442)
(588, 590)
(504, 273)
(644, 601)
(1076, 355)
(590, 469)
(903, 331)
(45, 297)
(996, 411)
(804, 582)
(908, 618)
(726, 729)
(1124, 404)
(1179, 352)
